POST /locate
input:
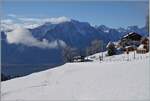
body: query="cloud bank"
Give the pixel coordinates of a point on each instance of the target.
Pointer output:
(43, 20)
(23, 36)
(29, 22)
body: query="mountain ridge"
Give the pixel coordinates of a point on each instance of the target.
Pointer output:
(74, 33)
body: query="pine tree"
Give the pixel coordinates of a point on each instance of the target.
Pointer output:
(111, 49)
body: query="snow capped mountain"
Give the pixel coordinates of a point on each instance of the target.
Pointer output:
(142, 31)
(74, 33)
(103, 28)
(113, 34)
(121, 30)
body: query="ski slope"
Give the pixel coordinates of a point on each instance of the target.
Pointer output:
(108, 80)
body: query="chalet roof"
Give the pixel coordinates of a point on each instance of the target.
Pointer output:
(128, 46)
(132, 36)
(128, 34)
(131, 46)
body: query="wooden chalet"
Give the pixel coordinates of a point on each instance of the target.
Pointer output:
(131, 38)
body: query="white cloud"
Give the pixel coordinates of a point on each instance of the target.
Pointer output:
(8, 24)
(57, 20)
(30, 22)
(51, 20)
(23, 36)
(12, 15)
(8, 21)
(30, 19)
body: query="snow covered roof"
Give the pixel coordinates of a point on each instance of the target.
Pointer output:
(141, 46)
(128, 34)
(128, 46)
(131, 46)
(131, 34)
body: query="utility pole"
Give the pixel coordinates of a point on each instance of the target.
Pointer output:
(128, 44)
(134, 54)
(101, 50)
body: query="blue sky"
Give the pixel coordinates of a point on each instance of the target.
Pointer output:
(111, 13)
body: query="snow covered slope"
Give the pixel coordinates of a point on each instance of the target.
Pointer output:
(117, 80)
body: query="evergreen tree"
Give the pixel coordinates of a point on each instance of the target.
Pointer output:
(111, 49)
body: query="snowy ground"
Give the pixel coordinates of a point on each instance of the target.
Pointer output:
(117, 78)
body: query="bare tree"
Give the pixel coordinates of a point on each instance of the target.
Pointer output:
(68, 53)
(94, 48)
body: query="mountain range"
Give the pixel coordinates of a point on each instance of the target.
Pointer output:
(74, 33)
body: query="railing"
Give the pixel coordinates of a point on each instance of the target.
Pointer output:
(125, 57)
(122, 57)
